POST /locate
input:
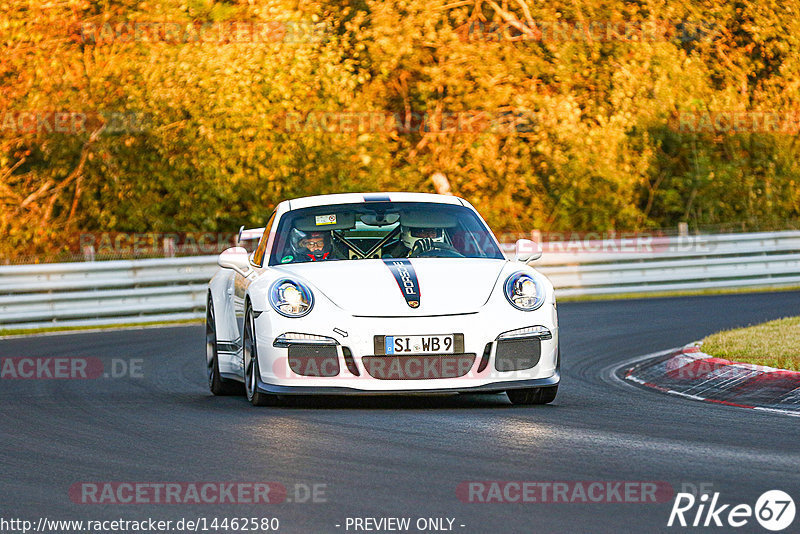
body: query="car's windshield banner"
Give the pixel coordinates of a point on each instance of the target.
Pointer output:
(406, 278)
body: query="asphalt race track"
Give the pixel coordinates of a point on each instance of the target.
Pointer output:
(401, 457)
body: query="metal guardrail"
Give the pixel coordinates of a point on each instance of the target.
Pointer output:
(137, 291)
(104, 292)
(768, 259)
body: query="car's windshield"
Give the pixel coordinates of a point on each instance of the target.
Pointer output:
(381, 230)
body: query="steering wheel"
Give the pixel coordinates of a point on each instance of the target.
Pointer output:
(428, 248)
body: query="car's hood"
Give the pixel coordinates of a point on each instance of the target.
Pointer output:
(370, 288)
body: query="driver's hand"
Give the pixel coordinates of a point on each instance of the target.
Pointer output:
(422, 245)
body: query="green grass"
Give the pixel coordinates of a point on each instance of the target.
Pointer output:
(31, 331)
(775, 344)
(687, 293)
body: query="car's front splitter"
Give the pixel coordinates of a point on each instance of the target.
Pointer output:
(343, 390)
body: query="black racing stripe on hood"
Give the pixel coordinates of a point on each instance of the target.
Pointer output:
(406, 278)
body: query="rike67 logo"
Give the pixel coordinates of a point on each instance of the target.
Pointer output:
(774, 511)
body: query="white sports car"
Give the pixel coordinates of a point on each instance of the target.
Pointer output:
(380, 293)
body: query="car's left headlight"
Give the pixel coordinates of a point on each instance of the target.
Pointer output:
(291, 298)
(524, 292)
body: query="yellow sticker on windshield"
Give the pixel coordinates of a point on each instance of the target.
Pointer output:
(325, 219)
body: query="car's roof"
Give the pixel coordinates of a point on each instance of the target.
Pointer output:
(356, 198)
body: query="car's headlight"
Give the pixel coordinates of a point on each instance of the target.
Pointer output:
(291, 298)
(524, 292)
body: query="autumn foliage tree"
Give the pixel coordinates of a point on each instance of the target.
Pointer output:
(201, 115)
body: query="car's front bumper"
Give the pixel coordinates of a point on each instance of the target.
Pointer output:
(357, 335)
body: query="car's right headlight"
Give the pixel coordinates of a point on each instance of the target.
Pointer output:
(291, 298)
(524, 292)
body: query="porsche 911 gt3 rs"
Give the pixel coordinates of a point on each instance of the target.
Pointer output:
(380, 293)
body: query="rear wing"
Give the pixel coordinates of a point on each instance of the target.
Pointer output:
(249, 234)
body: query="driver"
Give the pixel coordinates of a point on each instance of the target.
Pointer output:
(310, 246)
(421, 238)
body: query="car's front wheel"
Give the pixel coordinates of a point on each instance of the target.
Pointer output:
(217, 384)
(251, 369)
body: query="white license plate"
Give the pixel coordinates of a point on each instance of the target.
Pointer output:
(419, 344)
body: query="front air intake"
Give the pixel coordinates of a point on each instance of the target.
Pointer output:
(517, 354)
(314, 360)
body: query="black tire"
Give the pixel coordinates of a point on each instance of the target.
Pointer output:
(251, 369)
(218, 385)
(543, 395)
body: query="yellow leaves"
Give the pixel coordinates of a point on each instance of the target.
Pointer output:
(599, 108)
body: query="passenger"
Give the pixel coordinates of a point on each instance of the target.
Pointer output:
(422, 238)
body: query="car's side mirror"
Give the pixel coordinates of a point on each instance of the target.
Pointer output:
(526, 250)
(235, 258)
